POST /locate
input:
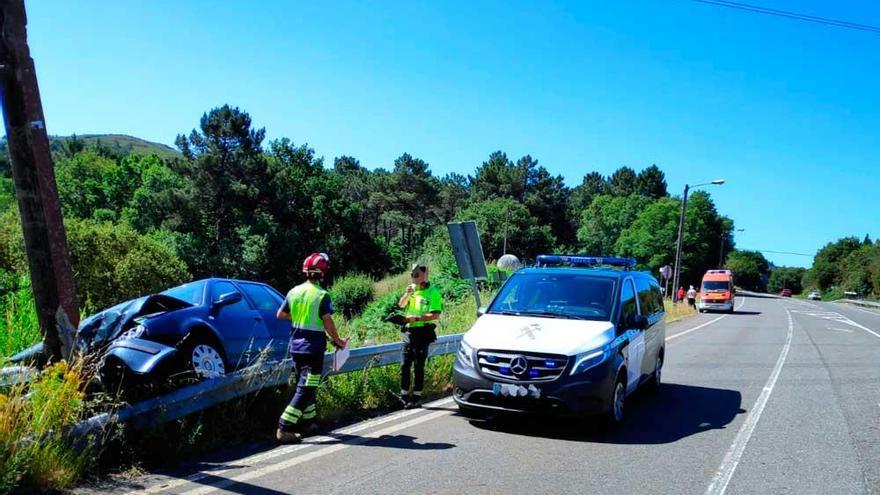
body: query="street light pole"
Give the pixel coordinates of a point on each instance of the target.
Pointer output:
(677, 269)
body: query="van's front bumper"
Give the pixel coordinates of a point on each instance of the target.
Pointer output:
(582, 394)
(716, 306)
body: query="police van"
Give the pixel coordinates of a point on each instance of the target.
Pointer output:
(573, 335)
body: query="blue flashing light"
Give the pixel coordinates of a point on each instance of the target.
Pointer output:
(504, 370)
(564, 259)
(492, 359)
(533, 373)
(550, 364)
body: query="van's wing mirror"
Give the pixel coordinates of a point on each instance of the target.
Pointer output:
(482, 310)
(637, 321)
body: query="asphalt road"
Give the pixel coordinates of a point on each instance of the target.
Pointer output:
(781, 397)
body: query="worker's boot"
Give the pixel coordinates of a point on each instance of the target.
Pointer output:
(287, 436)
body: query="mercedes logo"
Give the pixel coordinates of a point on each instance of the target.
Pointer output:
(519, 365)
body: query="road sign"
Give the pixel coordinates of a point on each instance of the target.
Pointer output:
(468, 250)
(468, 254)
(666, 272)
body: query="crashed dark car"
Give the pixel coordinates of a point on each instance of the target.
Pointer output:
(205, 328)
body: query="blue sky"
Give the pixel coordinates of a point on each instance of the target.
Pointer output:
(788, 112)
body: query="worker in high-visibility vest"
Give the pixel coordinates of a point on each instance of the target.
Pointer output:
(422, 304)
(310, 311)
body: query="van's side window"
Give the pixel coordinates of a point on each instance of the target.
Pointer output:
(646, 298)
(657, 292)
(628, 306)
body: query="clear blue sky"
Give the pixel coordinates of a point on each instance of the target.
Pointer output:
(788, 112)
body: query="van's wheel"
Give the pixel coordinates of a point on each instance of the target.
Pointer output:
(615, 415)
(202, 358)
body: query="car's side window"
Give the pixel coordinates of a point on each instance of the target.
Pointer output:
(260, 296)
(220, 288)
(628, 306)
(646, 297)
(657, 292)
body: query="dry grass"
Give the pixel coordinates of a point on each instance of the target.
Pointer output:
(390, 284)
(677, 311)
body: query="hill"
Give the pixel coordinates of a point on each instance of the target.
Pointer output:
(118, 143)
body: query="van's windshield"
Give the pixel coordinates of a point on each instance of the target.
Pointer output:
(716, 286)
(575, 296)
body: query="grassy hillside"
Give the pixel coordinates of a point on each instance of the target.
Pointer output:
(118, 143)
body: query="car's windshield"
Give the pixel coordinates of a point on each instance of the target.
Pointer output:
(578, 296)
(710, 286)
(191, 292)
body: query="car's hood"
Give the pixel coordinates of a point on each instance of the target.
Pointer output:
(104, 326)
(535, 334)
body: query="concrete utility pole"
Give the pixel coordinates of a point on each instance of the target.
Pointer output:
(33, 174)
(680, 238)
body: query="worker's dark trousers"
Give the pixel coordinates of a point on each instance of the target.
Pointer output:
(308, 368)
(413, 359)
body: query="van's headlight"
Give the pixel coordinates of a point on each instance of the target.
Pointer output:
(591, 359)
(466, 354)
(133, 333)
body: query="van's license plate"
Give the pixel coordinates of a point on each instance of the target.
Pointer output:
(510, 390)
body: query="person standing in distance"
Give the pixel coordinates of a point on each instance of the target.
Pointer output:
(422, 303)
(310, 311)
(692, 297)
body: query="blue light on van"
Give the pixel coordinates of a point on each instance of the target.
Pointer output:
(550, 364)
(533, 373)
(560, 259)
(504, 370)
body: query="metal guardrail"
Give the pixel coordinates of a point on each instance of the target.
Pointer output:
(856, 302)
(200, 396)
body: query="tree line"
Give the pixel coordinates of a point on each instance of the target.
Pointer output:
(236, 205)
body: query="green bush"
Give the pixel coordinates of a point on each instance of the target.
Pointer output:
(19, 325)
(351, 294)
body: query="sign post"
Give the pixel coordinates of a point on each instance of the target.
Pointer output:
(468, 254)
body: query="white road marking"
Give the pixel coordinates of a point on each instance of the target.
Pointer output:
(834, 316)
(251, 461)
(680, 334)
(847, 330)
(734, 454)
(281, 466)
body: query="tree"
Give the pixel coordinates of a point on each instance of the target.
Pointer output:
(651, 237)
(604, 221)
(526, 238)
(784, 277)
(623, 182)
(452, 196)
(749, 269)
(651, 182)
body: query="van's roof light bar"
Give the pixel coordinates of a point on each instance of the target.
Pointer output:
(564, 259)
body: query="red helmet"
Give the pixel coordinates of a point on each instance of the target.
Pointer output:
(317, 263)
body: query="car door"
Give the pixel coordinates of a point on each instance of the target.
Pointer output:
(648, 308)
(240, 325)
(636, 337)
(267, 301)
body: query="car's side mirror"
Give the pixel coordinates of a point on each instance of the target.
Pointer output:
(482, 310)
(637, 321)
(227, 299)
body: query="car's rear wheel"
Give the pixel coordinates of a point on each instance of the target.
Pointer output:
(203, 358)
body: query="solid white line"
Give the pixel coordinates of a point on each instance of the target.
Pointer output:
(250, 461)
(281, 466)
(679, 334)
(734, 454)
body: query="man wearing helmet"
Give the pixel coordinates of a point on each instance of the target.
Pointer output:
(310, 311)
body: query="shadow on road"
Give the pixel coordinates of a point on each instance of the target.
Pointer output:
(745, 313)
(675, 412)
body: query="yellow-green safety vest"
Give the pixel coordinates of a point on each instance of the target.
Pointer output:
(305, 304)
(422, 302)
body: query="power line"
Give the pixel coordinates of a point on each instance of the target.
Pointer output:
(780, 252)
(792, 15)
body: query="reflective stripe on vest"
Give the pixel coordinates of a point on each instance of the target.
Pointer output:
(419, 304)
(305, 304)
